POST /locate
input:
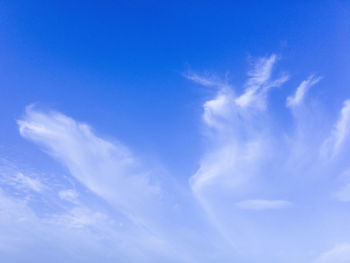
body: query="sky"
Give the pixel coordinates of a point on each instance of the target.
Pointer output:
(183, 131)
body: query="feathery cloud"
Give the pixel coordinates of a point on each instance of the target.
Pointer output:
(259, 82)
(112, 172)
(335, 141)
(107, 169)
(249, 154)
(298, 97)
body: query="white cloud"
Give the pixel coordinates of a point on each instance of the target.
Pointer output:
(219, 109)
(293, 101)
(84, 231)
(339, 254)
(206, 81)
(127, 212)
(108, 169)
(80, 217)
(335, 141)
(260, 204)
(28, 182)
(26, 231)
(69, 195)
(20, 181)
(236, 140)
(239, 145)
(251, 151)
(259, 83)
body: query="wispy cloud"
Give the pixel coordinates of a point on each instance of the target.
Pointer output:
(334, 143)
(339, 254)
(259, 82)
(107, 169)
(137, 194)
(66, 221)
(238, 141)
(260, 204)
(251, 154)
(301, 91)
(261, 184)
(21, 181)
(208, 81)
(69, 195)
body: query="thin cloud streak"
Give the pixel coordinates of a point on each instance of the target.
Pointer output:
(339, 254)
(333, 145)
(205, 81)
(260, 204)
(298, 97)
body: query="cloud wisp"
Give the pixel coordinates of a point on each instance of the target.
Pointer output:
(259, 83)
(257, 170)
(302, 89)
(339, 254)
(259, 204)
(142, 198)
(340, 132)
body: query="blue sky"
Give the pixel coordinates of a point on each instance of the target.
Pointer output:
(186, 131)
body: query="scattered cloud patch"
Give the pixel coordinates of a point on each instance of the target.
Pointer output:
(21, 181)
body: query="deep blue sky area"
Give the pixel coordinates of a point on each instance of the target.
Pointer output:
(120, 64)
